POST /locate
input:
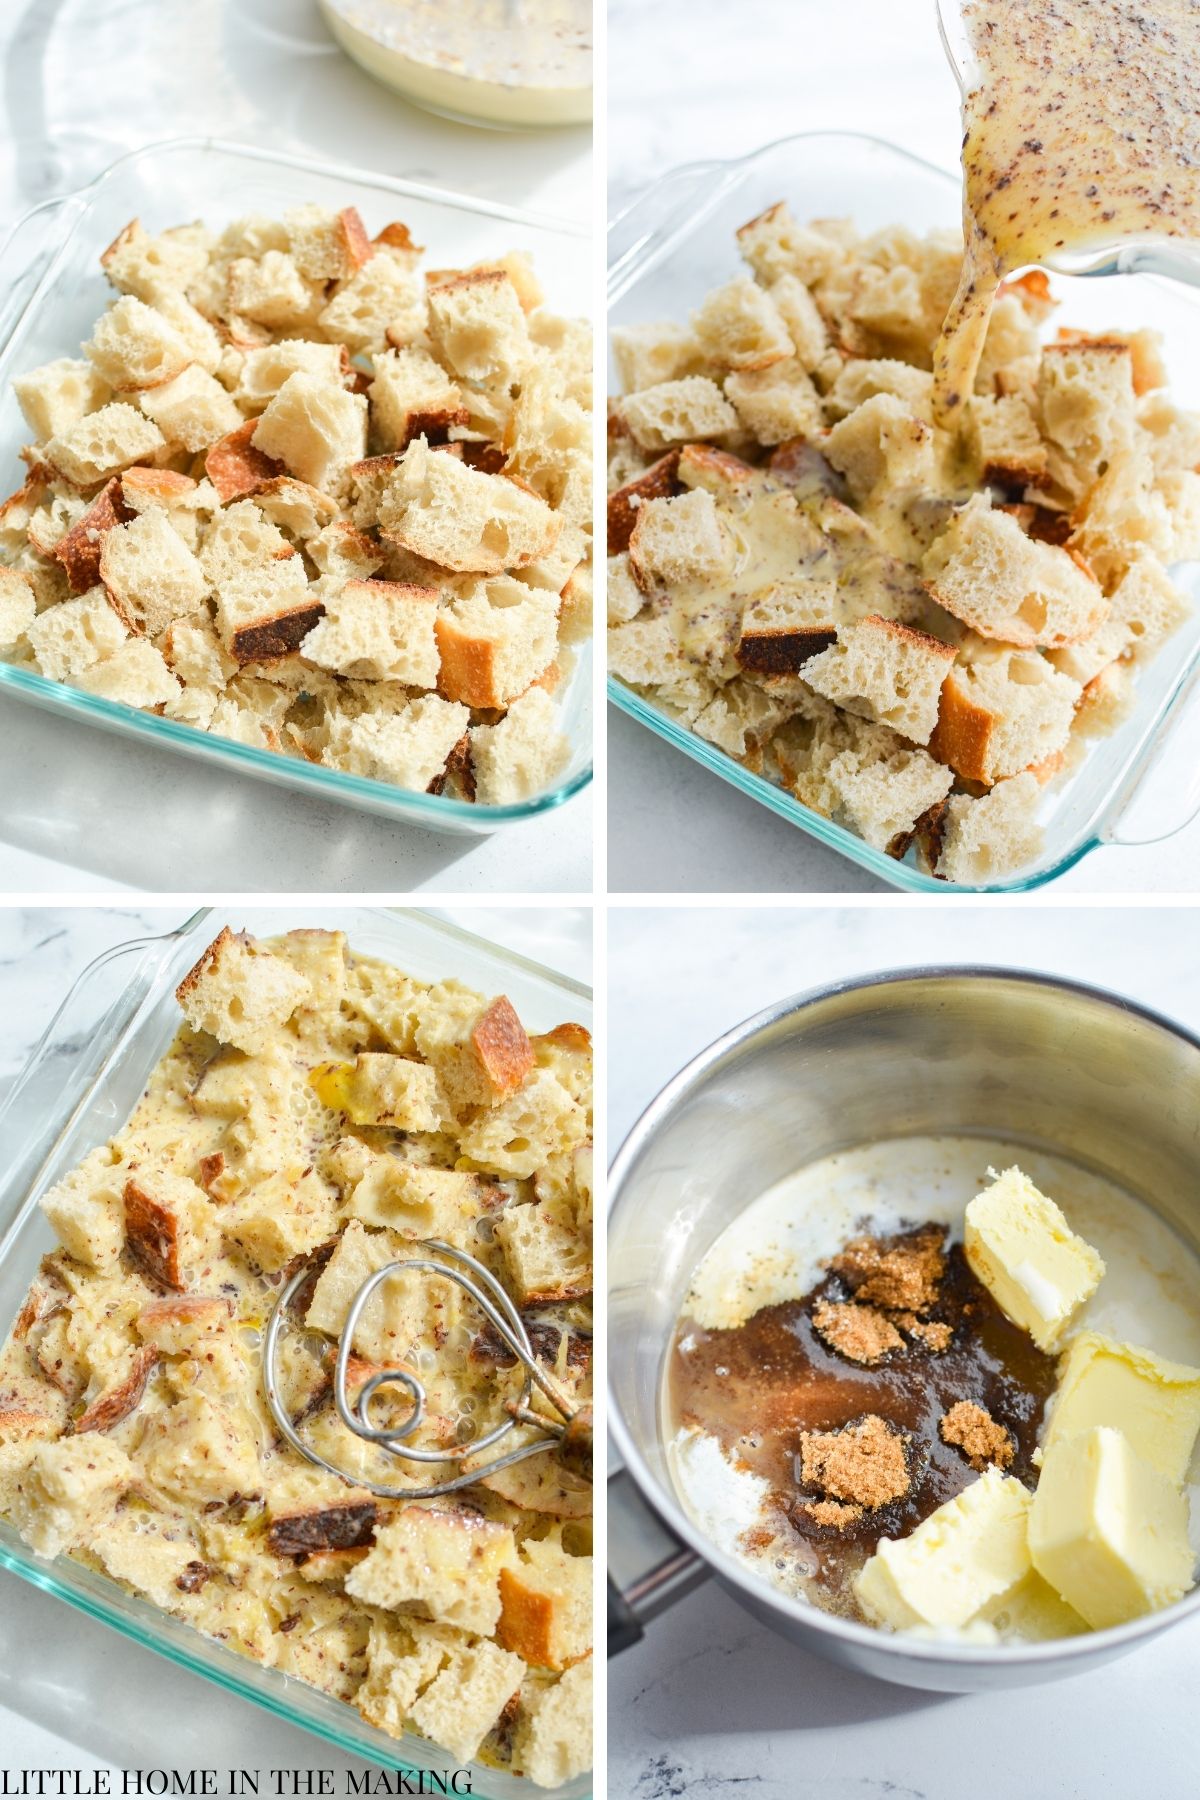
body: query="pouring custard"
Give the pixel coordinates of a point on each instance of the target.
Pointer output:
(1051, 166)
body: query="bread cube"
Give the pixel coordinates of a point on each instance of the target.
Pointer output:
(990, 837)
(265, 613)
(134, 674)
(137, 263)
(678, 540)
(59, 394)
(146, 1561)
(495, 641)
(477, 326)
(192, 410)
(85, 1210)
(168, 1224)
(863, 377)
(134, 346)
(80, 547)
(692, 409)
(239, 539)
(739, 327)
(18, 608)
(180, 1323)
(408, 748)
(344, 553)
(520, 755)
(985, 571)
(460, 518)
(886, 672)
(777, 402)
(200, 1451)
(271, 291)
(151, 576)
(381, 1089)
(327, 245)
(1002, 711)
(316, 429)
(463, 1703)
(546, 1604)
(802, 320)
(418, 1202)
(72, 637)
(774, 244)
(547, 1259)
(240, 993)
(520, 1133)
(649, 354)
(881, 444)
(411, 394)
(382, 303)
(378, 631)
(884, 796)
(553, 1739)
(481, 1051)
(409, 1313)
(279, 1219)
(447, 1562)
(264, 371)
(68, 1492)
(1086, 397)
(103, 443)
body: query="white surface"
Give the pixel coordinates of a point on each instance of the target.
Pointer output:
(85, 80)
(741, 77)
(711, 1702)
(148, 1714)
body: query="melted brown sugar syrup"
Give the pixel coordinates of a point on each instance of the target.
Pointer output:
(758, 1386)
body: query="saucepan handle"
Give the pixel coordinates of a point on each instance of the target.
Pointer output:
(649, 1568)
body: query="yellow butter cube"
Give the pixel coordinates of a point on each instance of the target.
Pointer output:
(1033, 1613)
(1154, 1402)
(1035, 1267)
(965, 1556)
(1108, 1531)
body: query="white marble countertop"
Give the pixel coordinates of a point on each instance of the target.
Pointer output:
(712, 1703)
(85, 80)
(740, 78)
(73, 1695)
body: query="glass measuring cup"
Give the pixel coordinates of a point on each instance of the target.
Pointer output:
(1146, 254)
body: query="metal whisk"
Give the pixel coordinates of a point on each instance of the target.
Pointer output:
(569, 1435)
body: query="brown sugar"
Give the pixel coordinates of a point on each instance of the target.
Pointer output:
(973, 1430)
(932, 1334)
(834, 1515)
(857, 1332)
(900, 1274)
(863, 1463)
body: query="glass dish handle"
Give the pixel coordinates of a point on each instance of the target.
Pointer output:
(25, 255)
(1158, 805)
(645, 229)
(66, 1061)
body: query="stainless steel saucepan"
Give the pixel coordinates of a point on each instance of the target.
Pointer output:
(1065, 1068)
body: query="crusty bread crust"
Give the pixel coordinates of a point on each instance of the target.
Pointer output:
(206, 961)
(780, 652)
(236, 468)
(346, 1525)
(268, 640)
(963, 735)
(503, 1047)
(78, 550)
(657, 482)
(152, 1237)
(116, 1403)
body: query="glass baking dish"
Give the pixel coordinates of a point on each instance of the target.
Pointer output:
(53, 289)
(77, 1088)
(676, 241)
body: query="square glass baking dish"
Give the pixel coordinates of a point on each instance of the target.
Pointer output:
(676, 241)
(53, 289)
(77, 1088)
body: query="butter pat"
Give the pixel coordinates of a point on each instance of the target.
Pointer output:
(963, 1557)
(1020, 1246)
(1108, 1531)
(1155, 1403)
(1032, 1614)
